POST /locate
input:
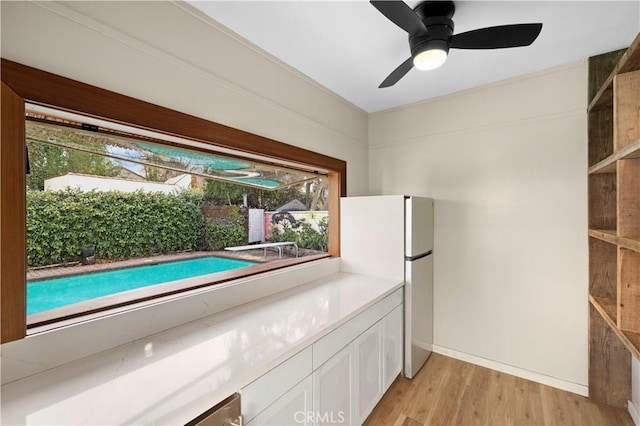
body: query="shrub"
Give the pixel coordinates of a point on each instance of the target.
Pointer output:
(284, 232)
(225, 232)
(304, 235)
(121, 225)
(312, 239)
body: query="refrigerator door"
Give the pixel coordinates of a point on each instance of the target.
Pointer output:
(418, 225)
(418, 299)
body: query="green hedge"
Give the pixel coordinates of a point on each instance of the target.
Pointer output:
(120, 225)
(225, 232)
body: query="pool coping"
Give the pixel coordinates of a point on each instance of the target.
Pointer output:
(89, 286)
(40, 274)
(117, 302)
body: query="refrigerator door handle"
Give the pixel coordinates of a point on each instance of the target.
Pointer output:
(417, 256)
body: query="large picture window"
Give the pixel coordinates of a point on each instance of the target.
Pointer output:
(115, 202)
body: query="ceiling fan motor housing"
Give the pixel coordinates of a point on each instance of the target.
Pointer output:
(430, 28)
(436, 16)
(438, 38)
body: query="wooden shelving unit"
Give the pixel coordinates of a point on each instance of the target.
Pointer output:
(614, 223)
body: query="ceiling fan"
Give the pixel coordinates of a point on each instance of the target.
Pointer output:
(431, 35)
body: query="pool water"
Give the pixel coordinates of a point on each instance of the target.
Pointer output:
(47, 294)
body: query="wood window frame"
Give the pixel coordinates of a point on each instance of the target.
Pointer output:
(21, 83)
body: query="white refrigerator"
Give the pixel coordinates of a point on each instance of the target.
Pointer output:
(392, 236)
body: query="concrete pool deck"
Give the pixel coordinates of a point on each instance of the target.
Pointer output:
(251, 256)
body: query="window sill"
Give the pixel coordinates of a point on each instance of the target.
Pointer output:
(53, 345)
(120, 302)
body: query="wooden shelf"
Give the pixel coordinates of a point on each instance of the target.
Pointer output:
(614, 223)
(629, 243)
(603, 201)
(629, 152)
(610, 236)
(607, 235)
(630, 61)
(607, 309)
(632, 342)
(608, 165)
(604, 97)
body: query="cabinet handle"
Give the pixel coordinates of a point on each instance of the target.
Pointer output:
(238, 422)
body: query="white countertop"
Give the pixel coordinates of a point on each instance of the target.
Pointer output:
(173, 376)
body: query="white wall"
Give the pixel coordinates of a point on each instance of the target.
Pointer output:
(172, 55)
(506, 165)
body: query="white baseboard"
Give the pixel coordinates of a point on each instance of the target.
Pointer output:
(634, 412)
(516, 371)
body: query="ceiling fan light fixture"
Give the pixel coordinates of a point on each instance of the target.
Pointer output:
(428, 53)
(430, 27)
(430, 59)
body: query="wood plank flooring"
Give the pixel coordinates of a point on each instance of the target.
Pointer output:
(451, 392)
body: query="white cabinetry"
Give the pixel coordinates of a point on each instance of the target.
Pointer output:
(339, 379)
(368, 359)
(392, 337)
(293, 408)
(368, 351)
(269, 388)
(333, 389)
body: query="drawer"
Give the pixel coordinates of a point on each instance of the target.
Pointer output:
(330, 344)
(225, 412)
(266, 389)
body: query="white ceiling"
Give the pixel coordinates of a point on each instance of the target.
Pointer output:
(349, 47)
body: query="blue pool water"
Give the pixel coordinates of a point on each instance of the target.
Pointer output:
(53, 293)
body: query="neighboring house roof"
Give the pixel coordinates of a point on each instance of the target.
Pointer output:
(292, 206)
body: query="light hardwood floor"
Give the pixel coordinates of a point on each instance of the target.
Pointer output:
(451, 392)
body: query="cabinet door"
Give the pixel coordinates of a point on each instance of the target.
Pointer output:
(294, 408)
(368, 371)
(268, 388)
(392, 337)
(334, 389)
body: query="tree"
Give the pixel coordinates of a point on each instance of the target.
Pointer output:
(225, 193)
(47, 161)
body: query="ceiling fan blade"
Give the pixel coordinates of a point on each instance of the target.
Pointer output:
(402, 15)
(397, 74)
(497, 37)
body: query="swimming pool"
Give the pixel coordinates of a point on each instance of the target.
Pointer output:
(43, 295)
